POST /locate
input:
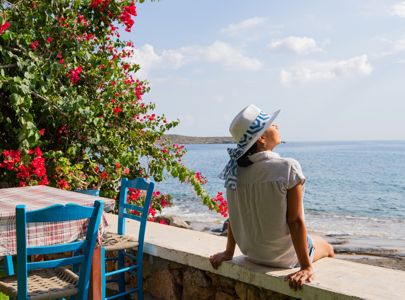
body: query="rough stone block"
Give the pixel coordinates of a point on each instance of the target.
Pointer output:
(161, 285)
(241, 290)
(195, 277)
(224, 296)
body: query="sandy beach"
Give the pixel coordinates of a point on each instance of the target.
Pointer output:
(378, 252)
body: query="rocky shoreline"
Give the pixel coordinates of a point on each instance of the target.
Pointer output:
(182, 139)
(378, 252)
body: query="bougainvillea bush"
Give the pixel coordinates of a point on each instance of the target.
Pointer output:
(72, 113)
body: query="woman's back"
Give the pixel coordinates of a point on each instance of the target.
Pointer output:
(258, 209)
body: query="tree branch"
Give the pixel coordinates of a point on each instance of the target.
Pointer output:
(8, 66)
(50, 102)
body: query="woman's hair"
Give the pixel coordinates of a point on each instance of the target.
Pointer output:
(244, 161)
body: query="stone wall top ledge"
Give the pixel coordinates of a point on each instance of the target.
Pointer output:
(334, 278)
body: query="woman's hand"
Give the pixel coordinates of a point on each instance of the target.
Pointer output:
(297, 279)
(218, 258)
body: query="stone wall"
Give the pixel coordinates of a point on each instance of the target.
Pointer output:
(168, 280)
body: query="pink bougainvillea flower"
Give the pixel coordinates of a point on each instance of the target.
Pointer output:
(42, 131)
(49, 40)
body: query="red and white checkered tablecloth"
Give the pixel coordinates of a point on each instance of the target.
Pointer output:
(36, 197)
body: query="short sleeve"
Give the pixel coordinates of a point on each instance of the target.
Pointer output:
(295, 175)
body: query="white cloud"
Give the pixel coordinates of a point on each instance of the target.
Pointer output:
(392, 48)
(235, 28)
(399, 46)
(321, 71)
(218, 52)
(399, 9)
(230, 57)
(299, 45)
(148, 59)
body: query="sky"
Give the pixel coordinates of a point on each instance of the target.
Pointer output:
(334, 68)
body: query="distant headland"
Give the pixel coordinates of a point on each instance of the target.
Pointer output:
(182, 139)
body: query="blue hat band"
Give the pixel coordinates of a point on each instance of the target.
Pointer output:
(230, 172)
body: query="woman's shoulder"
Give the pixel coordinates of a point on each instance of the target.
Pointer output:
(289, 162)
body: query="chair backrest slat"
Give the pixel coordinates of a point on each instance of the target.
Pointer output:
(60, 213)
(138, 183)
(133, 217)
(74, 246)
(57, 213)
(133, 207)
(55, 263)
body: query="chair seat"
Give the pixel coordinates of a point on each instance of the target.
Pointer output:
(114, 241)
(44, 284)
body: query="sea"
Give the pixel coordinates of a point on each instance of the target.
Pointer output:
(353, 189)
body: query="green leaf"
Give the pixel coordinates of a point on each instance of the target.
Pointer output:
(16, 99)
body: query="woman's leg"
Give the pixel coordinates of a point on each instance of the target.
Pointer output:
(322, 248)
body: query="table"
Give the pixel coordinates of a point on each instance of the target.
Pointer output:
(36, 197)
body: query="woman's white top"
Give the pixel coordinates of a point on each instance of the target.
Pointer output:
(258, 209)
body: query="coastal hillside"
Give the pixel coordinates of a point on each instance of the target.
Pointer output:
(182, 139)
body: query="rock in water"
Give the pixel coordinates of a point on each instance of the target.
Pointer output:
(172, 220)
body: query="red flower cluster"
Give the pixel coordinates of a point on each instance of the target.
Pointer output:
(180, 150)
(222, 204)
(61, 60)
(34, 45)
(74, 74)
(99, 4)
(159, 201)
(139, 90)
(63, 130)
(63, 184)
(126, 16)
(4, 27)
(30, 173)
(117, 110)
(200, 178)
(81, 20)
(104, 175)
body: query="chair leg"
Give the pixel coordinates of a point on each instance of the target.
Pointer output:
(121, 264)
(8, 265)
(139, 282)
(103, 279)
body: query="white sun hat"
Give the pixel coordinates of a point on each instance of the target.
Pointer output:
(246, 128)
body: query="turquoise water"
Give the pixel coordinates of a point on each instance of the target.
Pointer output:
(353, 188)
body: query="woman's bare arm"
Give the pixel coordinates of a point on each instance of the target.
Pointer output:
(298, 231)
(218, 258)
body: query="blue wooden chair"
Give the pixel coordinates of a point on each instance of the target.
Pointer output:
(89, 192)
(50, 279)
(8, 266)
(122, 243)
